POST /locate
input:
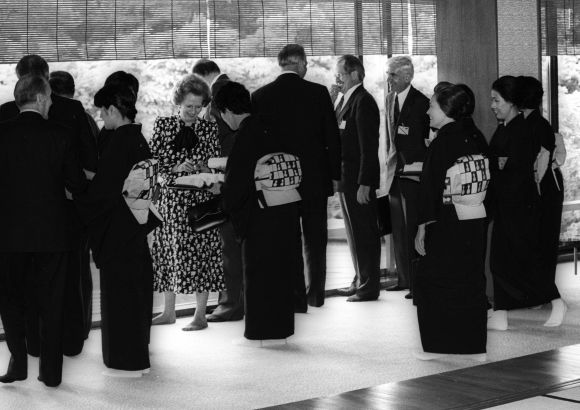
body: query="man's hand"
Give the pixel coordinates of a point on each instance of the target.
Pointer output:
(420, 240)
(363, 195)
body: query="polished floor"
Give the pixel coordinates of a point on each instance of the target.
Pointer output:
(338, 348)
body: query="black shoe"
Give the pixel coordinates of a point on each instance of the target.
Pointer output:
(409, 295)
(351, 290)
(395, 288)
(16, 371)
(48, 384)
(300, 309)
(357, 298)
(218, 318)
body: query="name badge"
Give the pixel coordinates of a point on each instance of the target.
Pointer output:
(342, 125)
(402, 130)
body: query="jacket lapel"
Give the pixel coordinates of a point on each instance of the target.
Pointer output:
(349, 103)
(406, 105)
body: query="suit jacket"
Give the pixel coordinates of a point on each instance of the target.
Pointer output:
(37, 162)
(359, 122)
(301, 114)
(225, 134)
(111, 223)
(69, 113)
(406, 148)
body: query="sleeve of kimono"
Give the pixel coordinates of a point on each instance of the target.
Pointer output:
(239, 176)
(105, 190)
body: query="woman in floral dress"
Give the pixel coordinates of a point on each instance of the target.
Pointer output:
(185, 262)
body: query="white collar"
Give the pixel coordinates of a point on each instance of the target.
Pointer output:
(349, 92)
(30, 110)
(288, 72)
(402, 96)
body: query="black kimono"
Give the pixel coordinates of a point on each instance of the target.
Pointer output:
(450, 286)
(271, 244)
(514, 254)
(120, 251)
(549, 209)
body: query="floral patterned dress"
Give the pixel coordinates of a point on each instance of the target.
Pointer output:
(184, 261)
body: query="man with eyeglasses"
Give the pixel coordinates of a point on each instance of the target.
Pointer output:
(407, 131)
(358, 119)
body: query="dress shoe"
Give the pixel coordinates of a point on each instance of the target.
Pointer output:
(395, 288)
(12, 377)
(219, 318)
(16, 371)
(409, 295)
(351, 290)
(300, 309)
(357, 298)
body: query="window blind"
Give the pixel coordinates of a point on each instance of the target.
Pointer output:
(560, 27)
(76, 30)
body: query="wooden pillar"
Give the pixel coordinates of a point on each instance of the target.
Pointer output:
(467, 51)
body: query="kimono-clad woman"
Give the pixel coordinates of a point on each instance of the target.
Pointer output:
(550, 186)
(266, 222)
(119, 241)
(450, 286)
(515, 247)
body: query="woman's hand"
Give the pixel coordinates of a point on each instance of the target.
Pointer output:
(420, 240)
(185, 166)
(215, 188)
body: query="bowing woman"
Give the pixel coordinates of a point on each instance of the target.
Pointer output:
(269, 233)
(119, 241)
(514, 252)
(450, 286)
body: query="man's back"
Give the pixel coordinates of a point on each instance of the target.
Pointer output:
(36, 163)
(69, 113)
(301, 112)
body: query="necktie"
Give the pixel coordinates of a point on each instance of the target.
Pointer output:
(397, 110)
(339, 107)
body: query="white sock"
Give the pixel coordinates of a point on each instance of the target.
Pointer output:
(247, 342)
(498, 321)
(421, 355)
(478, 357)
(274, 342)
(123, 373)
(559, 309)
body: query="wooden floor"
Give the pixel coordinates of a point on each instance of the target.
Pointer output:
(478, 387)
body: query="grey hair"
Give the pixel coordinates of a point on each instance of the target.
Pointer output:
(291, 54)
(402, 63)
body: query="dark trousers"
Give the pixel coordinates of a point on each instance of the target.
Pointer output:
(34, 282)
(313, 222)
(231, 300)
(362, 233)
(78, 302)
(403, 200)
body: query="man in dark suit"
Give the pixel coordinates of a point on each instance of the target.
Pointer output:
(230, 301)
(301, 111)
(37, 162)
(70, 114)
(407, 130)
(358, 119)
(62, 84)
